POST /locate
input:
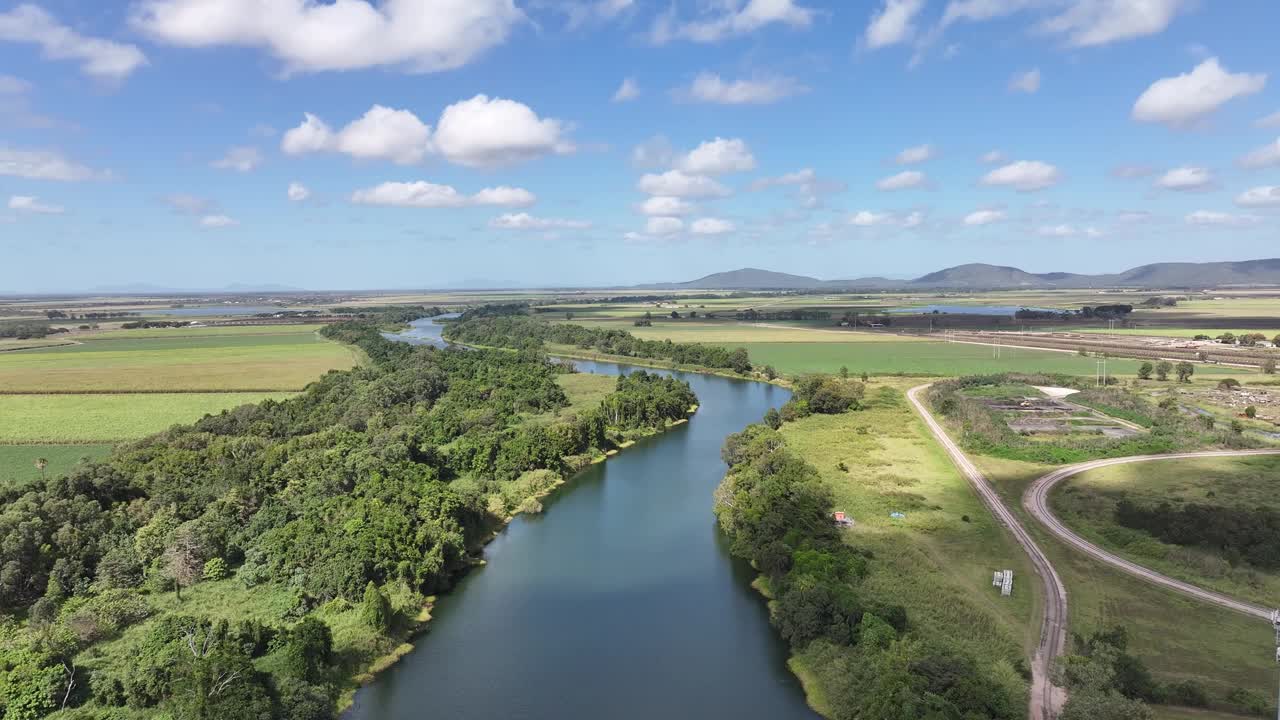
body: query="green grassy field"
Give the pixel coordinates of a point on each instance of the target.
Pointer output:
(102, 418)
(1179, 638)
(938, 560)
(1087, 502)
(17, 462)
(117, 362)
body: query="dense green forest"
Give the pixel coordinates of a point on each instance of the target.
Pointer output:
(510, 326)
(251, 564)
(776, 509)
(1240, 535)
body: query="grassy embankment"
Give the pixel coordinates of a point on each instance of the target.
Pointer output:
(1178, 638)
(937, 561)
(1086, 503)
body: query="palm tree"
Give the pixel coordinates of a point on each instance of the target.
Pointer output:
(41, 464)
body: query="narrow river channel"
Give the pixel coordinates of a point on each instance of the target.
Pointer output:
(620, 600)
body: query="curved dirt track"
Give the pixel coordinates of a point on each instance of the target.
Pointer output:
(1046, 700)
(1036, 502)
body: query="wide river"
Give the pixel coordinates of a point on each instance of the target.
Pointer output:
(619, 600)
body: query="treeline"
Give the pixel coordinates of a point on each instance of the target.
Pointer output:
(389, 314)
(1240, 535)
(27, 329)
(986, 431)
(352, 502)
(753, 315)
(509, 327)
(777, 512)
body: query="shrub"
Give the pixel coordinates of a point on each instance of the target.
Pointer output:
(375, 610)
(216, 569)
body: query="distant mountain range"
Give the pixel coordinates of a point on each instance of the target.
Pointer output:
(979, 276)
(234, 288)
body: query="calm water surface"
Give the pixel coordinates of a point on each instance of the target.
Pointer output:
(619, 601)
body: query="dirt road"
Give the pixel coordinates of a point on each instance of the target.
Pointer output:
(1036, 502)
(1046, 699)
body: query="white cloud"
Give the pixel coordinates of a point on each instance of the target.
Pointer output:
(489, 132)
(627, 91)
(1025, 82)
(422, 194)
(240, 159)
(298, 192)
(902, 181)
(1264, 196)
(1066, 231)
(1210, 217)
(804, 176)
(1186, 178)
(893, 24)
(45, 165)
(727, 18)
(382, 133)
(711, 226)
(525, 221)
(867, 218)
(663, 205)
(1099, 22)
(993, 157)
(29, 204)
(10, 85)
(984, 217)
(1179, 100)
(1264, 157)
(218, 221)
(917, 154)
(711, 88)
(676, 183)
(1270, 121)
(810, 188)
(1024, 176)
(718, 157)
(913, 219)
(100, 59)
(581, 13)
(663, 226)
(306, 36)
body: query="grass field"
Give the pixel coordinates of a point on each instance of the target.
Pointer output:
(118, 362)
(727, 332)
(1087, 502)
(937, 561)
(1179, 638)
(17, 462)
(102, 418)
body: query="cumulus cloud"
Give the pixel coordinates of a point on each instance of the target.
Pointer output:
(917, 154)
(1067, 231)
(382, 133)
(1211, 217)
(711, 88)
(29, 204)
(1179, 100)
(677, 183)
(1264, 157)
(663, 205)
(892, 24)
(627, 91)
(214, 222)
(298, 192)
(241, 159)
(525, 221)
(1024, 176)
(1025, 82)
(417, 36)
(711, 226)
(100, 59)
(867, 218)
(45, 165)
(663, 226)
(728, 18)
(718, 157)
(902, 181)
(1264, 196)
(490, 132)
(422, 194)
(810, 188)
(1186, 178)
(984, 217)
(1081, 23)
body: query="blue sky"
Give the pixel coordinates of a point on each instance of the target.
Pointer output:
(447, 143)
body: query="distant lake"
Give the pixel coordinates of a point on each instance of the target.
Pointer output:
(1004, 310)
(215, 310)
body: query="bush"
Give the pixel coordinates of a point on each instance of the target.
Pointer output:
(375, 610)
(216, 569)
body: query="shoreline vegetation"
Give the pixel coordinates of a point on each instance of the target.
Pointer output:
(258, 562)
